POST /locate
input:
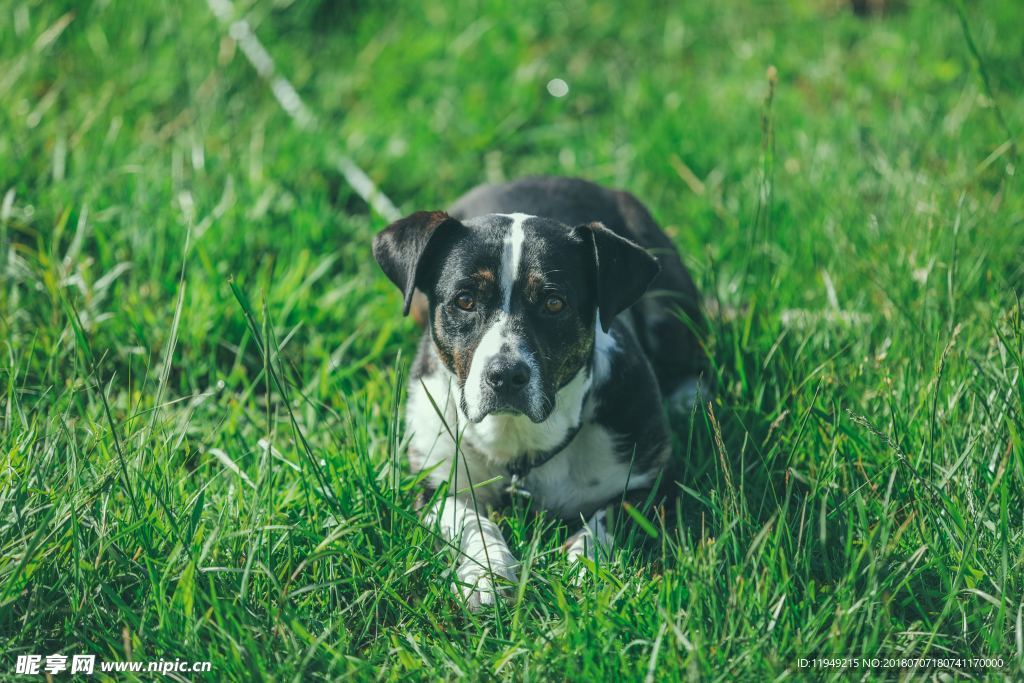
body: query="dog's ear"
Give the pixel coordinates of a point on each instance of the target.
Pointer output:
(624, 270)
(399, 248)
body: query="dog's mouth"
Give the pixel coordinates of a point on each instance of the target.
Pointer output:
(513, 410)
(506, 411)
(502, 409)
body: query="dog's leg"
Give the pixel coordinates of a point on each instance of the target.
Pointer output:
(686, 395)
(483, 554)
(589, 541)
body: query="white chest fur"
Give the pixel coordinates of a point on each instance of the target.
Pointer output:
(586, 475)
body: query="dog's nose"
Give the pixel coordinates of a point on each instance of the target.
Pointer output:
(502, 375)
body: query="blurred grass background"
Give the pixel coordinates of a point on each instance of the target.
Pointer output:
(859, 236)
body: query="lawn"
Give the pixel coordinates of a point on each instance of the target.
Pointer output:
(201, 367)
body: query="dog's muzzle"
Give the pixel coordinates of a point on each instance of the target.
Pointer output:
(509, 386)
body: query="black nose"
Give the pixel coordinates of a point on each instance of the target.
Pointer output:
(506, 376)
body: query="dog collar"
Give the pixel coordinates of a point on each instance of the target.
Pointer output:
(522, 465)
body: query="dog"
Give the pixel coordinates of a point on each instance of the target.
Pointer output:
(557, 316)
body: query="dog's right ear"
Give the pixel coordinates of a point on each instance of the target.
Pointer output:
(624, 270)
(399, 248)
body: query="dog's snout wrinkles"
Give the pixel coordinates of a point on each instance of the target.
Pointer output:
(503, 375)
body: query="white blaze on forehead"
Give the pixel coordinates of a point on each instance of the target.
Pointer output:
(511, 255)
(496, 336)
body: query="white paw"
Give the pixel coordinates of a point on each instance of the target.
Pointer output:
(591, 542)
(481, 588)
(578, 546)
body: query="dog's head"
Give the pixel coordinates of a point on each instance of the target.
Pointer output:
(513, 299)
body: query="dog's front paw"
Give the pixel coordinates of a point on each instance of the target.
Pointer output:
(591, 542)
(579, 546)
(480, 587)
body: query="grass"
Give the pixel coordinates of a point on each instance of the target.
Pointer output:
(201, 367)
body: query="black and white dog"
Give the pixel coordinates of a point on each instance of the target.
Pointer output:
(543, 364)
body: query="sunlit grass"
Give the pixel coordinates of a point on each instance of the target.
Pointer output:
(201, 367)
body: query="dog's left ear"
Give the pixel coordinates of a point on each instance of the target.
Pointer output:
(624, 270)
(399, 248)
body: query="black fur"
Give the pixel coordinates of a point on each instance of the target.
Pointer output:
(624, 270)
(400, 248)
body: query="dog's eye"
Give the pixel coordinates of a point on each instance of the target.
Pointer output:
(465, 301)
(554, 304)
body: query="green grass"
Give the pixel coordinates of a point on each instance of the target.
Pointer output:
(200, 365)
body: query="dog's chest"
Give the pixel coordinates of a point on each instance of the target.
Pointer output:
(583, 477)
